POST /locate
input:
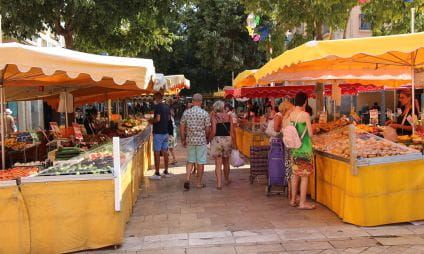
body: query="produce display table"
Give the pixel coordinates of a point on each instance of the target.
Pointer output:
(68, 213)
(246, 137)
(379, 194)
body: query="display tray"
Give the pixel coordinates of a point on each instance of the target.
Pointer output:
(366, 149)
(7, 183)
(62, 178)
(374, 161)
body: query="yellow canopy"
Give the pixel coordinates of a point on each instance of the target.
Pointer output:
(388, 58)
(245, 78)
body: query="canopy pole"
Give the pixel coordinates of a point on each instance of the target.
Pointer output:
(412, 20)
(413, 95)
(2, 127)
(66, 109)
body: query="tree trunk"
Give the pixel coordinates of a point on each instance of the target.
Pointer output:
(347, 23)
(318, 31)
(69, 39)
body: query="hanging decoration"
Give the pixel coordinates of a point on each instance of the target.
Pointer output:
(256, 32)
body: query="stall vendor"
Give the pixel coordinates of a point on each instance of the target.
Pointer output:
(403, 125)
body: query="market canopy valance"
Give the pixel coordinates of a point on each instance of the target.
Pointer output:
(45, 68)
(291, 91)
(389, 58)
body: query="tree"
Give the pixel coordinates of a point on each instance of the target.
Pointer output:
(393, 17)
(312, 15)
(213, 43)
(125, 26)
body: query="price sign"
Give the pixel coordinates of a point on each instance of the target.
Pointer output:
(323, 117)
(77, 131)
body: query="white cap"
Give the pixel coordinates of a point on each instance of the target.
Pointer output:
(8, 111)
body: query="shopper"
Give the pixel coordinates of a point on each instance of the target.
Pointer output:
(222, 140)
(301, 158)
(90, 122)
(195, 127)
(10, 125)
(172, 134)
(160, 135)
(281, 121)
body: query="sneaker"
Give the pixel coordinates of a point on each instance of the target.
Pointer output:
(167, 175)
(155, 177)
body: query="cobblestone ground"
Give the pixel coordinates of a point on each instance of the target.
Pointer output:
(240, 219)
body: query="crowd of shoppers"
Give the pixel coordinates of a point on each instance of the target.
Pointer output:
(201, 131)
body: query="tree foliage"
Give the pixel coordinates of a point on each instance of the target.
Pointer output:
(393, 16)
(213, 43)
(123, 27)
(312, 15)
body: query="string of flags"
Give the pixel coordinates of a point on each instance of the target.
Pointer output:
(256, 32)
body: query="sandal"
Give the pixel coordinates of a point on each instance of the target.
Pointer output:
(219, 188)
(173, 163)
(293, 203)
(307, 207)
(187, 185)
(201, 186)
(228, 182)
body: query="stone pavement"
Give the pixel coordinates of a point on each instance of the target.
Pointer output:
(241, 219)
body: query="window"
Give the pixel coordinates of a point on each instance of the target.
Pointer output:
(363, 24)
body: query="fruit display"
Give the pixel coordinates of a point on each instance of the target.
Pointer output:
(131, 127)
(13, 144)
(367, 128)
(326, 127)
(367, 145)
(17, 172)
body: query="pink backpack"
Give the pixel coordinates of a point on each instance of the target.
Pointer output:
(291, 138)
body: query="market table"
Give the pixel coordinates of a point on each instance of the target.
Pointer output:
(370, 189)
(67, 213)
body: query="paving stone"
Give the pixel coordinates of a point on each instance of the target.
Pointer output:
(165, 244)
(299, 234)
(166, 251)
(388, 231)
(353, 243)
(256, 236)
(417, 229)
(259, 249)
(203, 235)
(169, 237)
(342, 231)
(294, 246)
(132, 244)
(212, 250)
(211, 241)
(412, 240)
(354, 250)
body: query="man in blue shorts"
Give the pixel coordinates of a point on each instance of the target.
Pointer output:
(160, 135)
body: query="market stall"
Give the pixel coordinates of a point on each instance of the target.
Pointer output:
(366, 180)
(360, 175)
(82, 198)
